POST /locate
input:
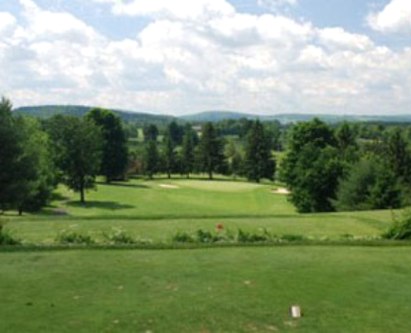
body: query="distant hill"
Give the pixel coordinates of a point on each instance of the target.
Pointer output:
(47, 111)
(214, 116)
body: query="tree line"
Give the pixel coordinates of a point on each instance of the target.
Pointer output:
(185, 151)
(339, 168)
(36, 156)
(327, 167)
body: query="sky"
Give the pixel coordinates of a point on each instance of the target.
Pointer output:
(185, 56)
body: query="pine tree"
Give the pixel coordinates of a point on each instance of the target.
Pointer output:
(259, 162)
(151, 159)
(187, 152)
(114, 147)
(211, 151)
(169, 155)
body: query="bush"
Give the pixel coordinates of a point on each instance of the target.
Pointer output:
(6, 238)
(74, 238)
(401, 228)
(247, 237)
(292, 238)
(120, 237)
(183, 237)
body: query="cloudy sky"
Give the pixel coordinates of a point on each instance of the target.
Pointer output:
(185, 56)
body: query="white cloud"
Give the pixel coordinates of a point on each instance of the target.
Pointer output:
(7, 22)
(394, 18)
(339, 38)
(177, 9)
(201, 56)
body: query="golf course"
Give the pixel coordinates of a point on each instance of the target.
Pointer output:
(333, 265)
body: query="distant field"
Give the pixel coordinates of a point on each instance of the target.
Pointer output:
(340, 289)
(156, 210)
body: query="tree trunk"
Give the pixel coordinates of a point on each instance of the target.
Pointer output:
(168, 174)
(20, 211)
(210, 175)
(82, 198)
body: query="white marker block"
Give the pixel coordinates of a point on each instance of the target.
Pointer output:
(295, 311)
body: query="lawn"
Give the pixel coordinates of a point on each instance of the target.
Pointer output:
(340, 289)
(157, 210)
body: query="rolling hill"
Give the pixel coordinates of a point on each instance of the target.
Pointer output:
(47, 111)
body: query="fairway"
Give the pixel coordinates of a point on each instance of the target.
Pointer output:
(340, 289)
(157, 210)
(237, 289)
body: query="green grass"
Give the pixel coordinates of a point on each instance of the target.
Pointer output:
(340, 289)
(240, 289)
(157, 210)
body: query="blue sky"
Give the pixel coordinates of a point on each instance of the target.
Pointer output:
(185, 56)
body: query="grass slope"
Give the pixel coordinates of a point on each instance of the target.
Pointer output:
(341, 289)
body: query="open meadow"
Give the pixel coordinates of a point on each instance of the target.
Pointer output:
(341, 288)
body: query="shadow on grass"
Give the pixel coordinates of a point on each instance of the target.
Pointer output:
(56, 196)
(117, 184)
(108, 205)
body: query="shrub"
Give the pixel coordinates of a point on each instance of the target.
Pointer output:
(292, 238)
(401, 228)
(247, 237)
(74, 238)
(120, 237)
(6, 238)
(183, 237)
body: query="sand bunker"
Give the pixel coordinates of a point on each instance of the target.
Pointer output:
(281, 190)
(168, 186)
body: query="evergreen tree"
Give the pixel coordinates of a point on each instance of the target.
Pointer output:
(259, 162)
(210, 151)
(114, 146)
(151, 158)
(176, 133)
(169, 155)
(398, 155)
(187, 151)
(150, 133)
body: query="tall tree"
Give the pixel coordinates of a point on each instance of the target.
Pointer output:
(176, 133)
(211, 151)
(26, 170)
(187, 151)
(312, 166)
(150, 133)
(169, 155)
(259, 162)
(36, 168)
(151, 158)
(398, 154)
(114, 146)
(77, 147)
(10, 152)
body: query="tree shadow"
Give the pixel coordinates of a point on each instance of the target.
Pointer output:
(56, 196)
(108, 205)
(116, 184)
